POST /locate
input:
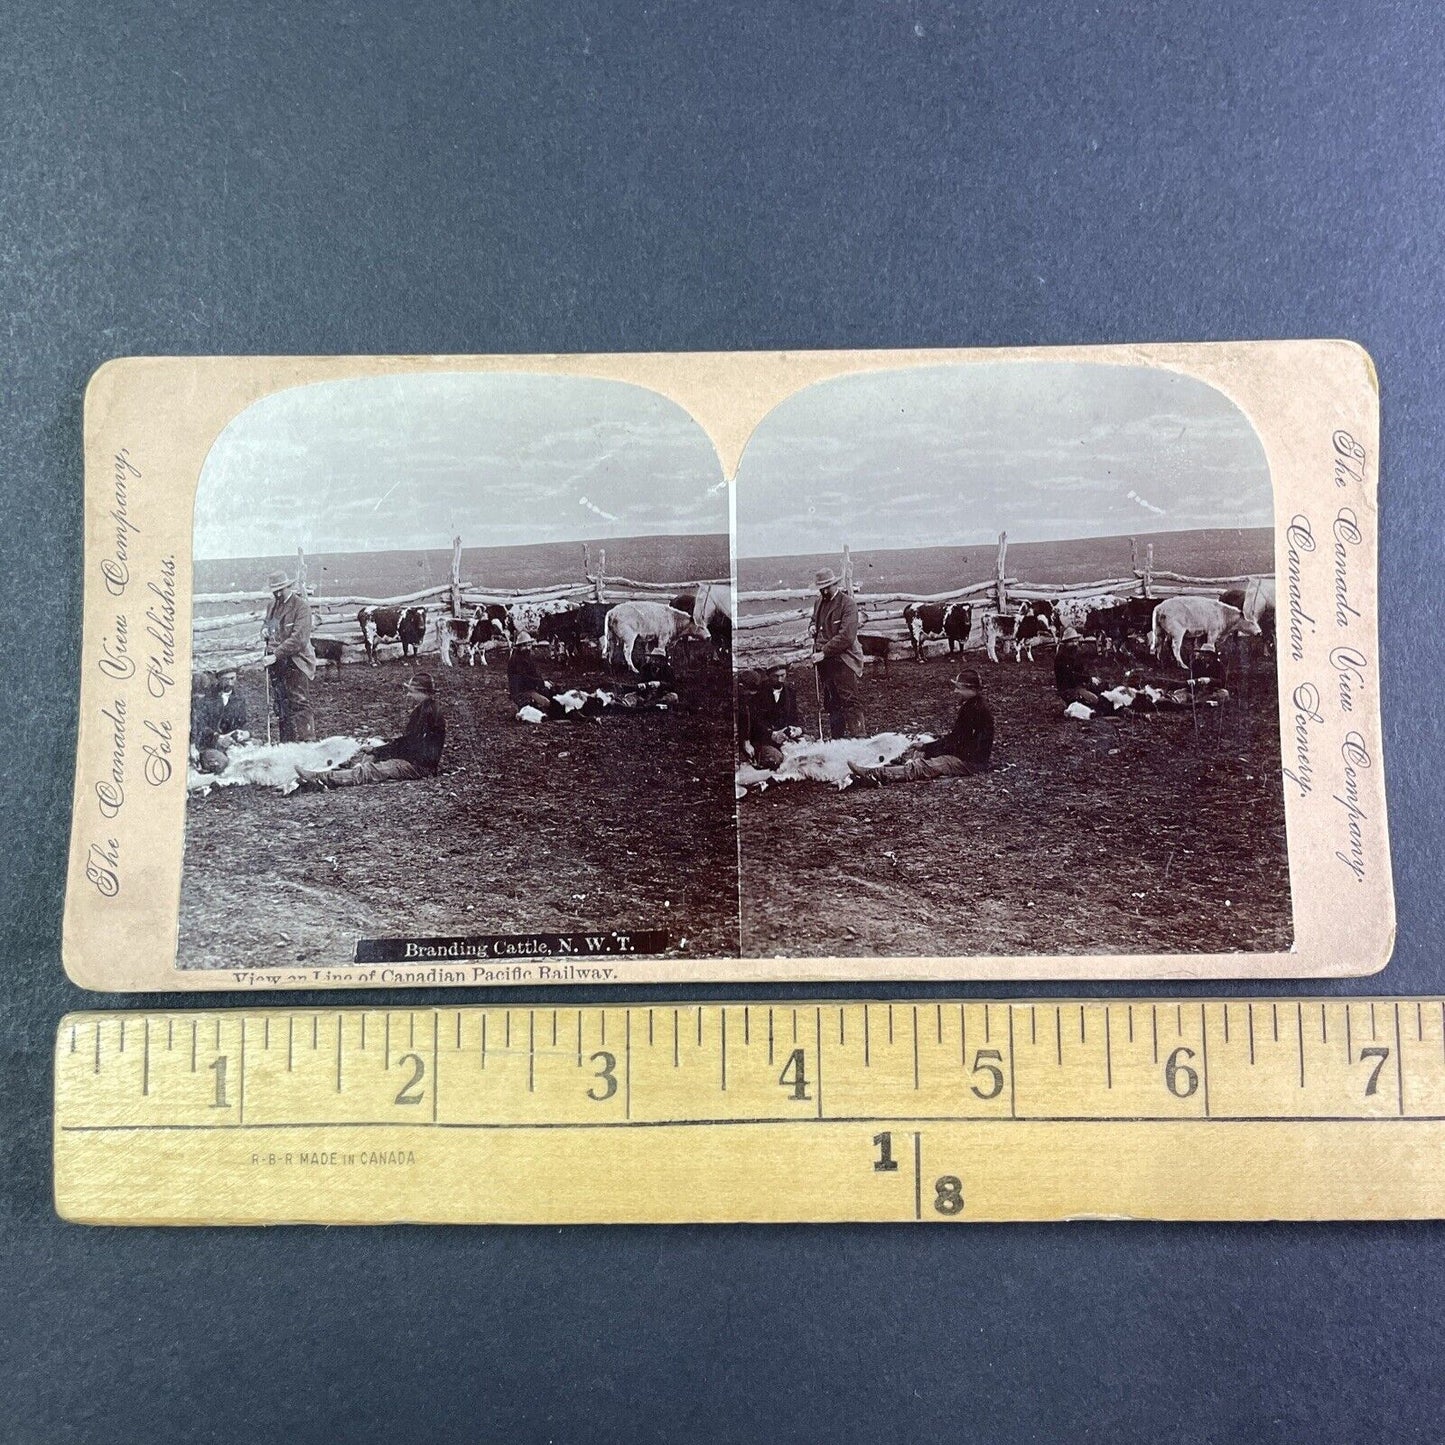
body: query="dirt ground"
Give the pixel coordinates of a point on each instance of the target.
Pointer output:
(1135, 835)
(561, 826)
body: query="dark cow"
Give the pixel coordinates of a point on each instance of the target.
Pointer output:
(1116, 626)
(406, 625)
(568, 633)
(716, 618)
(328, 649)
(1264, 613)
(876, 646)
(924, 620)
(561, 633)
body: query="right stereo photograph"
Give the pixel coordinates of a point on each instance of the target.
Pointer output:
(1006, 668)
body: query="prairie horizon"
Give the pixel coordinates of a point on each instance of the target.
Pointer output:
(660, 558)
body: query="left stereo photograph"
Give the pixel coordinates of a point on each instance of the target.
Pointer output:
(414, 738)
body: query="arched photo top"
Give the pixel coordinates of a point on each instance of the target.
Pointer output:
(953, 455)
(403, 463)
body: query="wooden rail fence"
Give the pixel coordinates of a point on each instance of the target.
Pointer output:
(235, 636)
(784, 635)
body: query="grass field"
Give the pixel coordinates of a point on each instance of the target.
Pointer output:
(1136, 835)
(626, 824)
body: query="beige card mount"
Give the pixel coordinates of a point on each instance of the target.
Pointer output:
(717, 667)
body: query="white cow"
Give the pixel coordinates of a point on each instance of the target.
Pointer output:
(655, 621)
(1179, 617)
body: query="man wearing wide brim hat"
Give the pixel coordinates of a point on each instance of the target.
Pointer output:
(837, 654)
(525, 684)
(289, 657)
(962, 752)
(417, 753)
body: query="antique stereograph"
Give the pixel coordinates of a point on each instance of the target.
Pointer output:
(607, 669)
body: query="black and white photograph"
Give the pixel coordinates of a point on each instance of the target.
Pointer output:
(461, 669)
(1006, 668)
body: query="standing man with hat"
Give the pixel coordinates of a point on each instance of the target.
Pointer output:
(837, 654)
(964, 751)
(417, 753)
(290, 658)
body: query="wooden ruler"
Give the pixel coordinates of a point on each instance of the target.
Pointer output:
(906, 1111)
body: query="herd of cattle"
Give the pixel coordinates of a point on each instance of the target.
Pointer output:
(567, 630)
(1135, 626)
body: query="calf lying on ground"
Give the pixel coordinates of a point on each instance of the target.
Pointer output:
(275, 767)
(827, 762)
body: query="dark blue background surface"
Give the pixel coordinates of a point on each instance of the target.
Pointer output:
(231, 177)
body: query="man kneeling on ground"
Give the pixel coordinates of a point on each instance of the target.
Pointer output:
(771, 718)
(1072, 678)
(525, 683)
(963, 752)
(417, 753)
(218, 722)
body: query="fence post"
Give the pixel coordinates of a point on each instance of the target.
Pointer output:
(301, 571)
(1000, 586)
(1149, 570)
(601, 573)
(456, 576)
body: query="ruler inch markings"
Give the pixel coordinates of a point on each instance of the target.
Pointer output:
(1399, 1062)
(910, 1090)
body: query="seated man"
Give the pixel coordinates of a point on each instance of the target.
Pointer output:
(219, 723)
(1208, 673)
(770, 717)
(525, 683)
(964, 751)
(417, 753)
(1072, 678)
(656, 685)
(657, 669)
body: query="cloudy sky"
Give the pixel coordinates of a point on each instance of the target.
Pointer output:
(952, 456)
(409, 462)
